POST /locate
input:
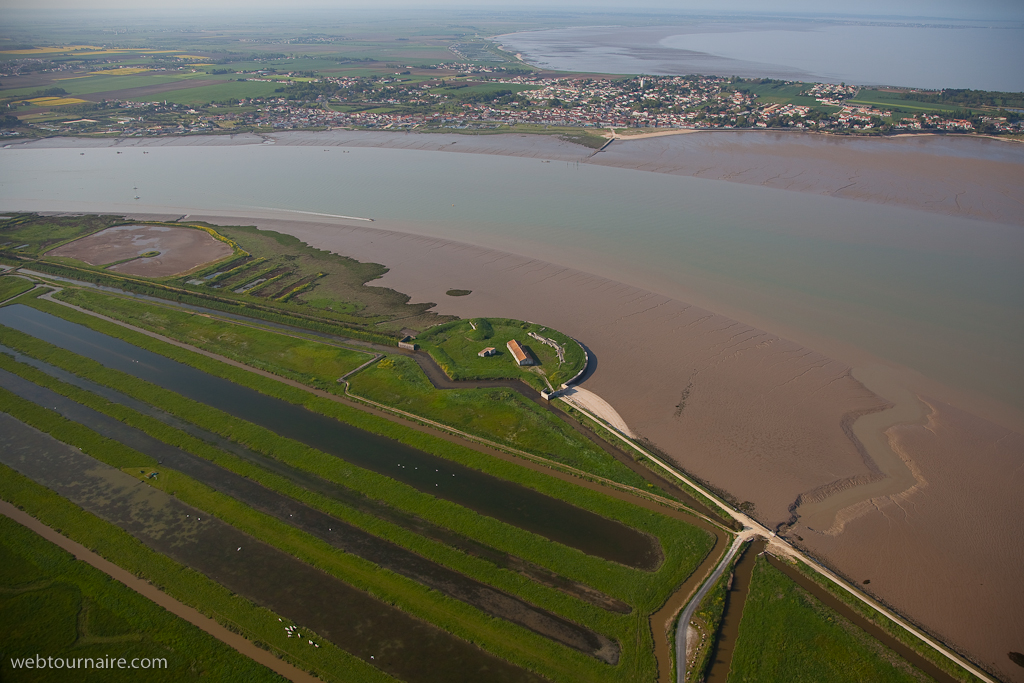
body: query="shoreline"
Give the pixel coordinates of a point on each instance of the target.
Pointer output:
(970, 176)
(757, 413)
(762, 422)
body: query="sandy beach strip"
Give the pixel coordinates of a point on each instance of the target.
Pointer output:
(972, 177)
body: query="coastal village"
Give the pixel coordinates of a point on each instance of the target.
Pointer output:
(466, 97)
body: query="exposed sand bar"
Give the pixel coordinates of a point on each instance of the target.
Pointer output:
(889, 473)
(956, 175)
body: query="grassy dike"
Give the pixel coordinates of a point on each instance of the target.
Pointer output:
(644, 591)
(887, 625)
(310, 549)
(190, 587)
(303, 360)
(508, 641)
(54, 605)
(786, 634)
(499, 415)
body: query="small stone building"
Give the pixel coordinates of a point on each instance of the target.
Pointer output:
(518, 353)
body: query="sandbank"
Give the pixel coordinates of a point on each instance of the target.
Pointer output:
(948, 551)
(971, 177)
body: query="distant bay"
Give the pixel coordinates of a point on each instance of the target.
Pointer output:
(929, 55)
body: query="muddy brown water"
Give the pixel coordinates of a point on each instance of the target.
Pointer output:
(339, 534)
(485, 494)
(384, 636)
(735, 598)
(440, 380)
(346, 496)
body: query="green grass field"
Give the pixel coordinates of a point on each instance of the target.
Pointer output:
(787, 635)
(229, 90)
(895, 101)
(456, 345)
(186, 585)
(53, 605)
(641, 589)
(100, 83)
(778, 93)
(684, 547)
(501, 637)
(887, 625)
(501, 415)
(310, 362)
(13, 286)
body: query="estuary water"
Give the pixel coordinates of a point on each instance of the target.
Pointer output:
(916, 55)
(941, 295)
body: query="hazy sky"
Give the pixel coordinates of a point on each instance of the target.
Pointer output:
(962, 9)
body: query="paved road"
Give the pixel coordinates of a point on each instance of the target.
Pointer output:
(691, 607)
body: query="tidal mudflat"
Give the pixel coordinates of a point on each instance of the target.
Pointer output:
(169, 250)
(729, 322)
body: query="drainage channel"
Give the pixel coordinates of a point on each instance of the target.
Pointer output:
(339, 534)
(503, 500)
(383, 636)
(346, 496)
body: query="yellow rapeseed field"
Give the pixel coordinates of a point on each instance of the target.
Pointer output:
(55, 101)
(123, 71)
(50, 50)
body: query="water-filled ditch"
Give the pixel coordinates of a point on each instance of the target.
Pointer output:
(342, 494)
(339, 534)
(398, 643)
(503, 500)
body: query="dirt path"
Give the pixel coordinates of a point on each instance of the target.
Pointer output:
(149, 591)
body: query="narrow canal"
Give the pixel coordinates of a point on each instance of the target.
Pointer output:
(384, 636)
(348, 497)
(339, 534)
(505, 501)
(735, 598)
